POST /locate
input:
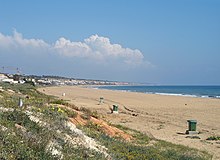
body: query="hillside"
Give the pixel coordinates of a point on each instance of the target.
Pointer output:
(46, 127)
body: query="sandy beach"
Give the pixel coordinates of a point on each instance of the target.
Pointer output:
(160, 116)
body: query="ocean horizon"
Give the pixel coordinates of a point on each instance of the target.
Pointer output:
(189, 91)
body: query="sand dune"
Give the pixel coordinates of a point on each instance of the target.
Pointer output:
(160, 116)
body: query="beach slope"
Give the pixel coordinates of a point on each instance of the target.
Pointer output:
(160, 116)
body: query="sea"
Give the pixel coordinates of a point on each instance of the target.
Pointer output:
(189, 91)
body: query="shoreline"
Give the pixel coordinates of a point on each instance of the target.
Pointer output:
(159, 116)
(153, 93)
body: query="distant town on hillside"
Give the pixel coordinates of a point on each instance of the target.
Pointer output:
(53, 80)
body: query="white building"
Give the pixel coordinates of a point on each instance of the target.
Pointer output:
(2, 76)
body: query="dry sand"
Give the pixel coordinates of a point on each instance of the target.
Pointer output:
(160, 116)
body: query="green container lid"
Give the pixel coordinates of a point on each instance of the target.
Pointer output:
(192, 121)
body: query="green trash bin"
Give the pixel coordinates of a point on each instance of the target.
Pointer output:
(101, 100)
(115, 108)
(192, 125)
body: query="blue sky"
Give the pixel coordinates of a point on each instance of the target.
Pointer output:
(164, 42)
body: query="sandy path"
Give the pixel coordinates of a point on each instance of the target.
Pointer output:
(160, 116)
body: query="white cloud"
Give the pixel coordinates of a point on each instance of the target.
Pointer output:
(99, 48)
(17, 42)
(72, 49)
(103, 46)
(93, 48)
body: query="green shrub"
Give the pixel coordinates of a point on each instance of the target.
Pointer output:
(70, 113)
(88, 113)
(54, 113)
(86, 110)
(214, 138)
(85, 116)
(59, 101)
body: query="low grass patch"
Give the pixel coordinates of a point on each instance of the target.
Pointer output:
(20, 118)
(139, 148)
(56, 111)
(59, 101)
(214, 138)
(17, 144)
(87, 113)
(139, 138)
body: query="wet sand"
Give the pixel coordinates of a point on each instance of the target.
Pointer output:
(160, 116)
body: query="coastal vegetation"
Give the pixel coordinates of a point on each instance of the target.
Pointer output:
(46, 127)
(214, 138)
